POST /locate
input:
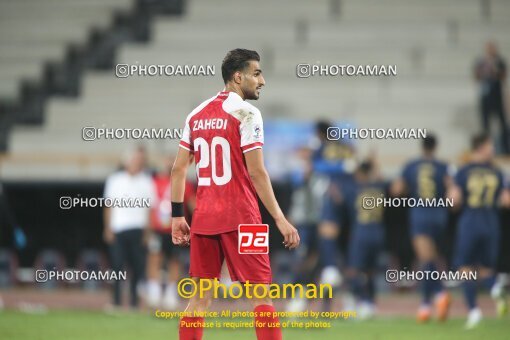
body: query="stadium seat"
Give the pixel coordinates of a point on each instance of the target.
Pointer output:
(433, 88)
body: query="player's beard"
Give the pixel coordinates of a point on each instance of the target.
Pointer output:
(252, 95)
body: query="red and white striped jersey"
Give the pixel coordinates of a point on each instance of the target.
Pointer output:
(218, 132)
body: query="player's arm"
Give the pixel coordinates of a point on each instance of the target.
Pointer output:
(455, 194)
(454, 181)
(504, 195)
(504, 198)
(108, 235)
(261, 182)
(180, 228)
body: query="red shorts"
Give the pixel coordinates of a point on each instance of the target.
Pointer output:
(207, 253)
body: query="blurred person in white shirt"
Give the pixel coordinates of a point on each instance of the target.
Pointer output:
(126, 228)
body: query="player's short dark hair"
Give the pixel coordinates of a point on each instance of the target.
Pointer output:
(478, 140)
(429, 143)
(322, 126)
(236, 60)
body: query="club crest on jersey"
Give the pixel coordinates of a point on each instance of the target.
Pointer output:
(209, 124)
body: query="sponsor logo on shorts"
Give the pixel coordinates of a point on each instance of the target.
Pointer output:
(253, 238)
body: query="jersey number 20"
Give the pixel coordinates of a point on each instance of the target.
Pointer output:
(208, 156)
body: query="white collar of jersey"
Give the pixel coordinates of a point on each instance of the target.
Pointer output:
(230, 93)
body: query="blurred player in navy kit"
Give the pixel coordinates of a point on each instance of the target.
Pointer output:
(330, 154)
(427, 178)
(366, 234)
(479, 188)
(330, 159)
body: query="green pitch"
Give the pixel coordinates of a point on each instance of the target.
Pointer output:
(96, 325)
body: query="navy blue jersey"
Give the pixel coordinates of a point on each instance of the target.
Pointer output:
(425, 178)
(481, 185)
(328, 159)
(358, 196)
(477, 239)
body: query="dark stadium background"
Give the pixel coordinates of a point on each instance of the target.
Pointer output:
(35, 207)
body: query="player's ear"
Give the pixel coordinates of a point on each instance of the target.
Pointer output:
(237, 77)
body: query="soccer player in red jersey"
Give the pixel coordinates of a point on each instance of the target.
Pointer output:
(225, 136)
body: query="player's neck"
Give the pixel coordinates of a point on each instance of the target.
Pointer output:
(233, 88)
(428, 155)
(133, 172)
(476, 158)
